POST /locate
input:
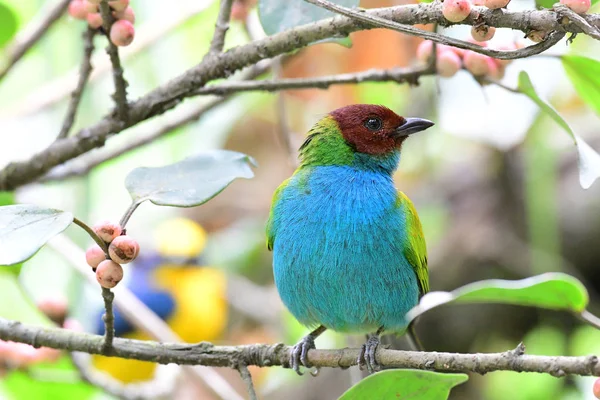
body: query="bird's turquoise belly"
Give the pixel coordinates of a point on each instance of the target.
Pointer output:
(339, 252)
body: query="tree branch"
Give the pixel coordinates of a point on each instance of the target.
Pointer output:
(173, 92)
(247, 378)
(564, 11)
(221, 27)
(84, 74)
(25, 40)
(264, 355)
(109, 321)
(120, 95)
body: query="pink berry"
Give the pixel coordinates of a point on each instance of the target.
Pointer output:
(55, 308)
(122, 33)
(123, 249)
(94, 256)
(493, 4)
(94, 20)
(90, 6)
(483, 33)
(73, 325)
(424, 51)
(107, 230)
(537, 36)
(504, 63)
(596, 388)
(118, 5)
(456, 10)
(476, 63)
(47, 354)
(495, 70)
(239, 11)
(127, 14)
(109, 274)
(77, 9)
(448, 63)
(578, 6)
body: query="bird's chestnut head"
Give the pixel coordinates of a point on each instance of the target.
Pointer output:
(374, 129)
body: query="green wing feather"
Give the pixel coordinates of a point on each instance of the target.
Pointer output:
(415, 249)
(271, 221)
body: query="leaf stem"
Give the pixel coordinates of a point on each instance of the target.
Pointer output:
(128, 214)
(92, 234)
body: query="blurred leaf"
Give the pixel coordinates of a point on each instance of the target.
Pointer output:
(8, 24)
(14, 304)
(190, 182)
(277, 16)
(584, 73)
(589, 159)
(404, 384)
(25, 228)
(553, 290)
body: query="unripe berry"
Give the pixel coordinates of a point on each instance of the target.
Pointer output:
(77, 9)
(123, 249)
(94, 20)
(127, 14)
(495, 71)
(456, 10)
(578, 6)
(107, 230)
(239, 11)
(448, 63)
(109, 274)
(94, 256)
(537, 36)
(90, 7)
(118, 5)
(54, 307)
(476, 63)
(122, 33)
(482, 33)
(493, 4)
(73, 325)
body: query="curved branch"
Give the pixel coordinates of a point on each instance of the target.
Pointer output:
(170, 94)
(278, 355)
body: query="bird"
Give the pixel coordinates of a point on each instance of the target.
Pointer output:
(174, 283)
(349, 252)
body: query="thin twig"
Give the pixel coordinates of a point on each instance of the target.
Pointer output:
(84, 74)
(578, 20)
(128, 213)
(398, 75)
(221, 27)
(376, 21)
(109, 321)
(247, 378)
(30, 36)
(120, 95)
(264, 355)
(92, 234)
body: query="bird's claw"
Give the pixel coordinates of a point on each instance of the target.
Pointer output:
(366, 357)
(299, 355)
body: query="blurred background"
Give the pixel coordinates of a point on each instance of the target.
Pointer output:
(495, 183)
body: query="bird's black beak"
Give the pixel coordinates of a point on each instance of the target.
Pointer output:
(412, 125)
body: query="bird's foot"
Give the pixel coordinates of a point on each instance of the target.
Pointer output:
(299, 354)
(366, 357)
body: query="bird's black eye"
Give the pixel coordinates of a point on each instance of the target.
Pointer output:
(373, 124)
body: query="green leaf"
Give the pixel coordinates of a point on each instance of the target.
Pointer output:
(553, 290)
(190, 182)
(25, 228)
(589, 159)
(8, 24)
(277, 16)
(405, 384)
(585, 75)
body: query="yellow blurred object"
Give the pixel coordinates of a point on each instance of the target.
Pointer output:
(180, 237)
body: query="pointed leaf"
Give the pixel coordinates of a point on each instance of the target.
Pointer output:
(25, 228)
(555, 291)
(278, 16)
(584, 73)
(589, 159)
(190, 182)
(405, 384)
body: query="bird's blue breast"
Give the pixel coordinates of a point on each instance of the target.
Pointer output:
(338, 255)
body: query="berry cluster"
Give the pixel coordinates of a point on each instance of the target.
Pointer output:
(121, 250)
(121, 31)
(451, 59)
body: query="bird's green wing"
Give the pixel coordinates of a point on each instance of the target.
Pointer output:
(272, 221)
(415, 249)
